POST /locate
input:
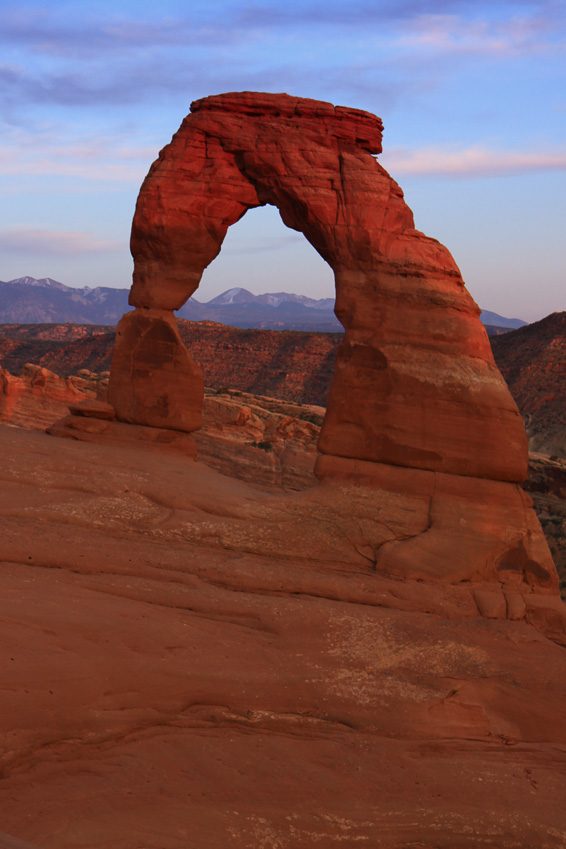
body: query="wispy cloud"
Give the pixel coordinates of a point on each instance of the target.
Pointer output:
(360, 14)
(84, 36)
(109, 158)
(511, 35)
(128, 83)
(83, 60)
(53, 243)
(474, 161)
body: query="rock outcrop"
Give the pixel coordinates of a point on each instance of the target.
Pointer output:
(284, 364)
(37, 396)
(415, 383)
(262, 440)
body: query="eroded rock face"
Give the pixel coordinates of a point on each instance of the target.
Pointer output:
(415, 383)
(154, 380)
(37, 396)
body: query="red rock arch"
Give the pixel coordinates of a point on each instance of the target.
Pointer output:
(415, 382)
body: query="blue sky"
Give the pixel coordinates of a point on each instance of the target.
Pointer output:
(472, 94)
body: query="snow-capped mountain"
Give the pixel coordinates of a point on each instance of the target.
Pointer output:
(27, 300)
(46, 282)
(270, 299)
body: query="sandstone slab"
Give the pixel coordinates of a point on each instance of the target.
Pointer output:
(189, 662)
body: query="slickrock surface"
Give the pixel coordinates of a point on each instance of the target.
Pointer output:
(188, 662)
(265, 441)
(262, 440)
(415, 382)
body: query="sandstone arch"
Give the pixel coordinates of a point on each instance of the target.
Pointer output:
(415, 383)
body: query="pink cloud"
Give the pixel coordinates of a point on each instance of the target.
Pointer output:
(53, 243)
(23, 154)
(471, 162)
(450, 33)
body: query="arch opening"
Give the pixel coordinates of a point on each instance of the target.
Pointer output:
(262, 329)
(261, 254)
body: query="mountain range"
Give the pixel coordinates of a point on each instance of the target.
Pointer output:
(27, 300)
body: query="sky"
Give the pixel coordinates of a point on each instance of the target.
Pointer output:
(472, 95)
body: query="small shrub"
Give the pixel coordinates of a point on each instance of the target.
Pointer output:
(313, 418)
(265, 445)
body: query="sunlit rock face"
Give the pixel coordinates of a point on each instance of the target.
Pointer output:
(415, 383)
(417, 410)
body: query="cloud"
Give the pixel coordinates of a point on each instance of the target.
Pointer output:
(107, 158)
(114, 60)
(86, 36)
(114, 85)
(511, 35)
(360, 14)
(474, 161)
(53, 243)
(44, 32)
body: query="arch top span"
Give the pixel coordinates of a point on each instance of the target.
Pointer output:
(236, 151)
(415, 382)
(355, 125)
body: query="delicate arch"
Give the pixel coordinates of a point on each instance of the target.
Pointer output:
(415, 382)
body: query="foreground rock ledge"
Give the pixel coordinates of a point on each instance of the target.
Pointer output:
(188, 662)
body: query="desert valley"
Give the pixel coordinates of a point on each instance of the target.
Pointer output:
(281, 588)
